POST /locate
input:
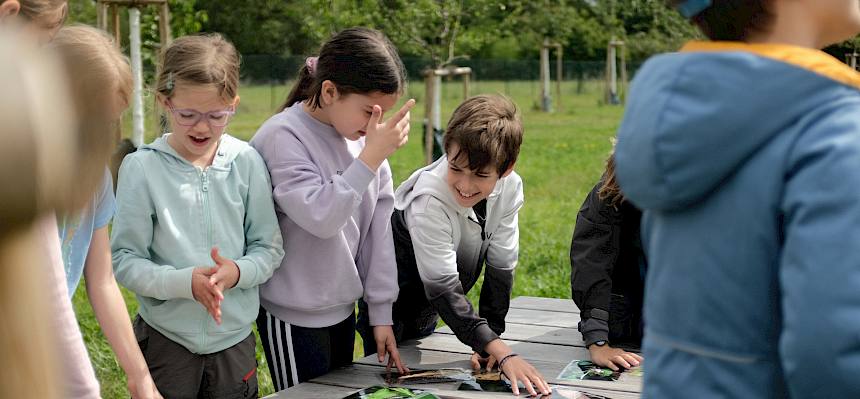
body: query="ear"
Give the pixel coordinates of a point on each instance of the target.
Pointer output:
(9, 8)
(162, 100)
(235, 103)
(328, 92)
(510, 169)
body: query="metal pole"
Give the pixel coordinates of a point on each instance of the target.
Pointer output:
(137, 75)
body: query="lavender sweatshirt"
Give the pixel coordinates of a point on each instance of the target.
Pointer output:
(334, 213)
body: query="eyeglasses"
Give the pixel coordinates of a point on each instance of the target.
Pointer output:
(191, 117)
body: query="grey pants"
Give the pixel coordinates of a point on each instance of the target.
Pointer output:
(180, 374)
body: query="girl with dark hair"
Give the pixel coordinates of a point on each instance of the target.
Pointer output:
(326, 152)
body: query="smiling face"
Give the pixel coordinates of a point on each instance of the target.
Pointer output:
(197, 143)
(468, 187)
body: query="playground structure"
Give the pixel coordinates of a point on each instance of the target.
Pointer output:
(433, 107)
(545, 95)
(851, 59)
(112, 7)
(615, 87)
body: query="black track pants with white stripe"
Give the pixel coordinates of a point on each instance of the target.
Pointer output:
(296, 354)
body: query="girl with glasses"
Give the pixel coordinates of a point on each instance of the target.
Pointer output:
(195, 231)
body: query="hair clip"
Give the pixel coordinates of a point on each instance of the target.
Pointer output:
(311, 63)
(170, 83)
(691, 8)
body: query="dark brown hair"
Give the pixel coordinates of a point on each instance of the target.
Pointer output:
(609, 190)
(732, 20)
(488, 131)
(356, 60)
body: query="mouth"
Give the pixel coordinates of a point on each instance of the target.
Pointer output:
(362, 133)
(466, 195)
(200, 141)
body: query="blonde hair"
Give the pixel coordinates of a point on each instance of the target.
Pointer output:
(207, 59)
(100, 77)
(38, 170)
(36, 9)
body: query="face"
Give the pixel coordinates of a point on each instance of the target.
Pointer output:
(196, 141)
(350, 113)
(470, 186)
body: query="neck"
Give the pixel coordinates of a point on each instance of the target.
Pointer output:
(317, 113)
(792, 25)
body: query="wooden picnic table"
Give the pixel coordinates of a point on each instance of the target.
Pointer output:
(542, 330)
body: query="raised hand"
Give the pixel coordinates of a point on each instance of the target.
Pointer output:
(383, 138)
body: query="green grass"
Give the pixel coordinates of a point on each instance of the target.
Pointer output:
(561, 158)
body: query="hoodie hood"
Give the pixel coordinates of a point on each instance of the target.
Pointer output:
(694, 117)
(229, 148)
(431, 180)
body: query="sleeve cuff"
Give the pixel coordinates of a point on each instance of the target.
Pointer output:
(177, 283)
(247, 273)
(380, 314)
(358, 176)
(483, 335)
(593, 330)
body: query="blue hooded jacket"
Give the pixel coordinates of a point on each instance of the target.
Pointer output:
(746, 161)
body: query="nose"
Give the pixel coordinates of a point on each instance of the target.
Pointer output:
(201, 126)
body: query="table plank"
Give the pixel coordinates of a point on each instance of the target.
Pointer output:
(565, 305)
(542, 318)
(310, 390)
(535, 333)
(362, 376)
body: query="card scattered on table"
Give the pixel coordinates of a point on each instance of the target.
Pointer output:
(586, 370)
(381, 392)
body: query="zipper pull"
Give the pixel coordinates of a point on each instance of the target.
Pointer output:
(205, 182)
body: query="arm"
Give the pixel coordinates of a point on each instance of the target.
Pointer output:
(378, 268)
(263, 242)
(110, 310)
(593, 252)
(320, 205)
(131, 239)
(78, 376)
(436, 258)
(502, 258)
(818, 265)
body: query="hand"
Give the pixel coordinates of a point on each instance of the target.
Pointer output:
(478, 361)
(382, 139)
(143, 387)
(206, 293)
(607, 356)
(385, 342)
(517, 369)
(227, 274)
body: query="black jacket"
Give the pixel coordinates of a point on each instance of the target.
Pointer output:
(606, 258)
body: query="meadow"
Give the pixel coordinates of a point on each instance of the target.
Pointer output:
(562, 157)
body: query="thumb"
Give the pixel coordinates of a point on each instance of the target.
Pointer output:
(375, 116)
(216, 257)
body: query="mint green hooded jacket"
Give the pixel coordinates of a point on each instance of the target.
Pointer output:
(170, 214)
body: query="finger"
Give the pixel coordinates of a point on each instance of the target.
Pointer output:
(542, 384)
(394, 358)
(637, 357)
(476, 365)
(375, 116)
(529, 386)
(515, 385)
(216, 257)
(619, 360)
(631, 359)
(491, 362)
(610, 364)
(380, 351)
(401, 113)
(403, 123)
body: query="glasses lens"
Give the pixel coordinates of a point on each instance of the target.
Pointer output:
(187, 117)
(219, 119)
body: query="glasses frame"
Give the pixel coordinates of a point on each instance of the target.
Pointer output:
(200, 115)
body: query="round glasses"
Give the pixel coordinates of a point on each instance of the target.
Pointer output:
(191, 117)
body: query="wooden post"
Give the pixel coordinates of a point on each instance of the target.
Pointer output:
(558, 73)
(429, 78)
(466, 89)
(623, 74)
(164, 24)
(117, 35)
(545, 96)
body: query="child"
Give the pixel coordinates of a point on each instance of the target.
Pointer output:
(36, 159)
(192, 198)
(101, 76)
(744, 155)
(451, 218)
(607, 273)
(326, 152)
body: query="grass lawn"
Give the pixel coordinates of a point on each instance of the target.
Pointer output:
(561, 158)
